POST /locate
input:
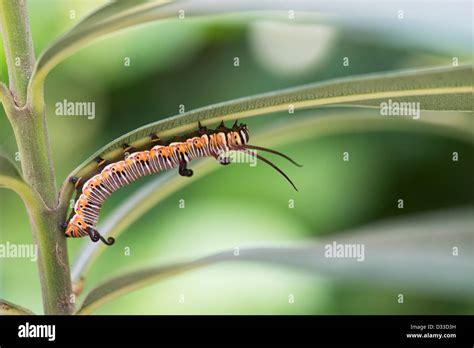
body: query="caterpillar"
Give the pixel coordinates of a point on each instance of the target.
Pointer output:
(158, 157)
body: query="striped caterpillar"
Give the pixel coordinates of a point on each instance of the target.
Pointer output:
(159, 157)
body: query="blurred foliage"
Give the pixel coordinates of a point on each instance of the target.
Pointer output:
(191, 63)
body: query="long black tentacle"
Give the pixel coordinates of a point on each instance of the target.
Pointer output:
(109, 241)
(253, 147)
(270, 164)
(96, 236)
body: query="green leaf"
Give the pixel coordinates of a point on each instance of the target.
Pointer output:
(5, 96)
(123, 14)
(11, 178)
(8, 171)
(108, 19)
(409, 253)
(442, 89)
(8, 308)
(306, 127)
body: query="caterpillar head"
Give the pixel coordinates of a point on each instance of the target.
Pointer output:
(244, 132)
(238, 136)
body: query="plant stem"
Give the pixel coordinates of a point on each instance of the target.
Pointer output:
(29, 126)
(18, 46)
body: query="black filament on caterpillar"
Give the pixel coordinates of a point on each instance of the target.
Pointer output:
(113, 175)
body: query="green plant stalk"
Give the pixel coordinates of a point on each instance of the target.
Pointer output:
(29, 126)
(30, 133)
(18, 46)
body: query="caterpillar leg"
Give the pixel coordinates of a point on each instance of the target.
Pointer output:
(223, 159)
(183, 171)
(76, 181)
(128, 149)
(96, 236)
(101, 162)
(155, 139)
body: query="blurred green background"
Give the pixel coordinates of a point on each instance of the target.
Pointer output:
(191, 62)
